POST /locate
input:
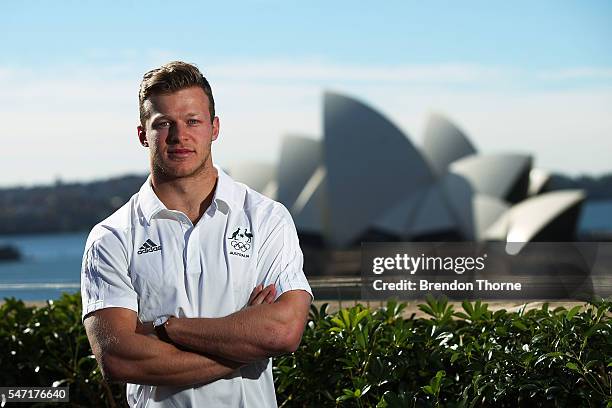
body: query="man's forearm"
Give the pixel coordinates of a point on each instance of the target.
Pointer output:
(141, 359)
(251, 334)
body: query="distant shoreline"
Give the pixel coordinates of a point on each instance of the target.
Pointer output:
(30, 303)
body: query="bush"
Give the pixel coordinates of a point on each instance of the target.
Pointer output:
(365, 358)
(47, 346)
(358, 357)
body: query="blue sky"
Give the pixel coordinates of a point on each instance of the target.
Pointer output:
(537, 73)
(542, 34)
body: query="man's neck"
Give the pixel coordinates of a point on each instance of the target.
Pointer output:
(190, 195)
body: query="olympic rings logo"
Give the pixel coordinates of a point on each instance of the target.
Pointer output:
(241, 246)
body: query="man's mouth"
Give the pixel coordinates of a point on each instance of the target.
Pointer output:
(179, 153)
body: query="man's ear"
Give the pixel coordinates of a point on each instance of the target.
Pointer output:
(142, 136)
(215, 128)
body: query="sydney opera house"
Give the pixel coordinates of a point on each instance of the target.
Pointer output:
(366, 180)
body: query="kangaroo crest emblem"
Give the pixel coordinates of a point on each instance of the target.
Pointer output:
(241, 240)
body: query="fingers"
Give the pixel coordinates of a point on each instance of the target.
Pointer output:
(271, 295)
(265, 295)
(256, 290)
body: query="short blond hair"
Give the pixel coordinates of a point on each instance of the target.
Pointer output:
(172, 77)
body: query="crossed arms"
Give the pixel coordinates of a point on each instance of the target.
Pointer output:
(211, 348)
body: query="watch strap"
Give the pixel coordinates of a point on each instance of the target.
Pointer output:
(162, 334)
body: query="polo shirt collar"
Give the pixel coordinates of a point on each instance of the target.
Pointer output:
(151, 205)
(224, 193)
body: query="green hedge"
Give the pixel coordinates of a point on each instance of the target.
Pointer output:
(474, 357)
(47, 346)
(362, 357)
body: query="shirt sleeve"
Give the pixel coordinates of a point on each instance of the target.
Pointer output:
(280, 257)
(104, 275)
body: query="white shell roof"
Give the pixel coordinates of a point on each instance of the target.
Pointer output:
(261, 177)
(487, 210)
(398, 219)
(444, 143)
(366, 173)
(494, 174)
(473, 212)
(371, 166)
(433, 213)
(523, 221)
(310, 210)
(537, 180)
(300, 156)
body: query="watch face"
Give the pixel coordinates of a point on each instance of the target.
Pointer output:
(160, 320)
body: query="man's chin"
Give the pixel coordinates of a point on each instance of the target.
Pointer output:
(171, 174)
(176, 172)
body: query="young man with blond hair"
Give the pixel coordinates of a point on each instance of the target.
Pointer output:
(192, 286)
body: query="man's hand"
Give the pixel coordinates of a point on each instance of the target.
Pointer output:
(256, 332)
(261, 295)
(258, 296)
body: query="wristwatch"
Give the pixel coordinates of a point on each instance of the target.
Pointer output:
(159, 325)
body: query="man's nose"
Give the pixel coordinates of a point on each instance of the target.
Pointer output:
(176, 133)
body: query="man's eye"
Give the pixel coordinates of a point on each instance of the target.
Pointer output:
(162, 124)
(193, 121)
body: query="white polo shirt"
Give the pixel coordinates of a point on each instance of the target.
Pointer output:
(154, 261)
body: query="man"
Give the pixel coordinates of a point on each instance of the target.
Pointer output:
(193, 285)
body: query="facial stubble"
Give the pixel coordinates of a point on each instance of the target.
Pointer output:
(163, 172)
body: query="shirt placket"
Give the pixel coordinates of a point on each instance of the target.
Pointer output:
(189, 235)
(191, 256)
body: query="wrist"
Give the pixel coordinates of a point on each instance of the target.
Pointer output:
(160, 327)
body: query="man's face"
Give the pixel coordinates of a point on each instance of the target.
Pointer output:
(179, 133)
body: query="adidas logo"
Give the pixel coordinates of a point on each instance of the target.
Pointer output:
(149, 246)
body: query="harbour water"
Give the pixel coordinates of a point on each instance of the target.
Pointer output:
(50, 265)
